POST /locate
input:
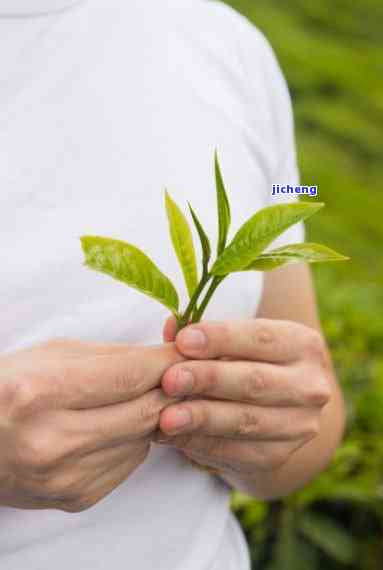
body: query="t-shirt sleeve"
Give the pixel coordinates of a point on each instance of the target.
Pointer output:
(271, 92)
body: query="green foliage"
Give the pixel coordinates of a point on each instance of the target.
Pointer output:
(258, 232)
(127, 263)
(205, 242)
(223, 208)
(294, 253)
(182, 240)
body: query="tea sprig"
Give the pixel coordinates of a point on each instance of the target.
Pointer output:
(245, 252)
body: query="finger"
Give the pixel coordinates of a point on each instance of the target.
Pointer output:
(238, 457)
(258, 383)
(240, 421)
(99, 459)
(99, 380)
(170, 329)
(256, 339)
(73, 348)
(113, 425)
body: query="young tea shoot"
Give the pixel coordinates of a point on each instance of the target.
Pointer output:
(245, 252)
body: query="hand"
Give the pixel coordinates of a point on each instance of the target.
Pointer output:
(254, 390)
(76, 420)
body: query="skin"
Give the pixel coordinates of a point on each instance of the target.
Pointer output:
(263, 404)
(76, 420)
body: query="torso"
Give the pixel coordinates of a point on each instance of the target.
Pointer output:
(102, 106)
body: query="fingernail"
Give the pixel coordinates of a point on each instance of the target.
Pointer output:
(193, 338)
(184, 382)
(182, 418)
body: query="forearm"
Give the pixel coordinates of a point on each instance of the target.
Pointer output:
(303, 465)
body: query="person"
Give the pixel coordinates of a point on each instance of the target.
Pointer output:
(102, 105)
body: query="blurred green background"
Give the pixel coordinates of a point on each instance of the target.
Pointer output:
(331, 53)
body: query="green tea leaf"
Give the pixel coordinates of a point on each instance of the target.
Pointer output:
(183, 243)
(128, 264)
(258, 232)
(223, 207)
(205, 243)
(329, 536)
(294, 253)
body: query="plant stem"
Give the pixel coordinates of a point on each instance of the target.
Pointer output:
(184, 319)
(197, 315)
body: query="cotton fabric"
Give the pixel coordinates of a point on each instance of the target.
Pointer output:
(102, 106)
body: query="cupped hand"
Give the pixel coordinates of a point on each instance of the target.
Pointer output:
(76, 420)
(253, 390)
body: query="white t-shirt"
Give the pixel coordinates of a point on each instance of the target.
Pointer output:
(102, 105)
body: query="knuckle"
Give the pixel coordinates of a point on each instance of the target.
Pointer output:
(130, 381)
(200, 415)
(314, 344)
(210, 377)
(25, 397)
(249, 424)
(312, 430)
(254, 383)
(319, 395)
(150, 410)
(123, 383)
(38, 454)
(261, 334)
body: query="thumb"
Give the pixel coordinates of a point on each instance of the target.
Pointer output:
(170, 329)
